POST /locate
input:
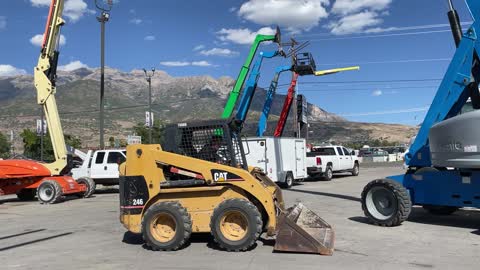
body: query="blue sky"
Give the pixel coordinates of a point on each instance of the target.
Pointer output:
(405, 43)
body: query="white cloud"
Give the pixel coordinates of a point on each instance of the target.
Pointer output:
(72, 66)
(352, 6)
(199, 47)
(73, 9)
(39, 3)
(242, 36)
(295, 15)
(3, 22)
(377, 93)
(8, 70)
(37, 40)
(219, 52)
(232, 9)
(201, 64)
(149, 38)
(355, 23)
(185, 63)
(136, 21)
(132, 11)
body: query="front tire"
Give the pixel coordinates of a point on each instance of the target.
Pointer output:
(386, 202)
(356, 169)
(166, 226)
(236, 224)
(89, 184)
(49, 192)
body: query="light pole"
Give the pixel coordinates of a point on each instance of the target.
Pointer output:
(105, 8)
(148, 77)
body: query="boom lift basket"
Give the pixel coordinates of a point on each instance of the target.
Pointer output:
(211, 140)
(304, 64)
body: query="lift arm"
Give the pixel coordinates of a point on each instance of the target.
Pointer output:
(454, 89)
(249, 91)
(235, 93)
(44, 78)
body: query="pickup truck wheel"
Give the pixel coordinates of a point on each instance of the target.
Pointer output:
(356, 169)
(89, 184)
(288, 183)
(328, 175)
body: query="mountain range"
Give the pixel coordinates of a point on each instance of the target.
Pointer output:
(174, 99)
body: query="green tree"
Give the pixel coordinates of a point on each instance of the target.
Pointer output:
(111, 141)
(157, 133)
(32, 146)
(4, 146)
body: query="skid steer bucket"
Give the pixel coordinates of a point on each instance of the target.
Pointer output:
(301, 230)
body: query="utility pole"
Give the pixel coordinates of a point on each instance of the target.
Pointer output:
(148, 77)
(104, 17)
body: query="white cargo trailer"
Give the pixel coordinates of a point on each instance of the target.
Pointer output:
(282, 159)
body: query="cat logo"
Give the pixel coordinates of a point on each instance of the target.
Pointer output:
(220, 176)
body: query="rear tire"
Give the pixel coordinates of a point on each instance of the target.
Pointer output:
(166, 226)
(288, 183)
(440, 210)
(49, 192)
(89, 183)
(386, 202)
(27, 194)
(236, 224)
(328, 175)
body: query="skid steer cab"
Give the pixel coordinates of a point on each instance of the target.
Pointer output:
(200, 182)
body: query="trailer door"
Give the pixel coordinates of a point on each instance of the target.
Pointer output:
(300, 159)
(256, 153)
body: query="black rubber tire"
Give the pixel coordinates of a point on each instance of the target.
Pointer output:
(183, 225)
(89, 183)
(440, 210)
(402, 205)
(27, 194)
(328, 174)
(288, 183)
(254, 229)
(356, 169)
(49, 186)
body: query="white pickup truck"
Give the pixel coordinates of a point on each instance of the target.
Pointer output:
(327, 160)
(101, 166)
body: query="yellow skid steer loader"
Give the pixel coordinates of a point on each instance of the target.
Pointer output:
(200, 182)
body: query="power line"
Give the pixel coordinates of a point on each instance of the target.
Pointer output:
(410, 110)
(388, 62)
(366, 81)
(379, 36)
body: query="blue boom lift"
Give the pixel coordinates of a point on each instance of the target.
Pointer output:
(444, 160)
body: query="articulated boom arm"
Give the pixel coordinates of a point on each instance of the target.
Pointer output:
(453, 91)
(287, 104)
(44, 76)
(262, 123)
(251, 85)
(232, 99)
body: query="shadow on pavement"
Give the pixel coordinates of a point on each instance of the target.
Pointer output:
(20, 234)
(35, 241)
(339, 196)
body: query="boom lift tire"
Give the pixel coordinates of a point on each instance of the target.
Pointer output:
(288, 183)
(440, 210)
(236, 224)
(90, 184)
(166, 226)
(26, 194)
(49, 192)
(386, 202)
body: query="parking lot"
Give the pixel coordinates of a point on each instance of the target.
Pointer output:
(86, 234)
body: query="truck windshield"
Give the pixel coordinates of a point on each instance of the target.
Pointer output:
(324, 151)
